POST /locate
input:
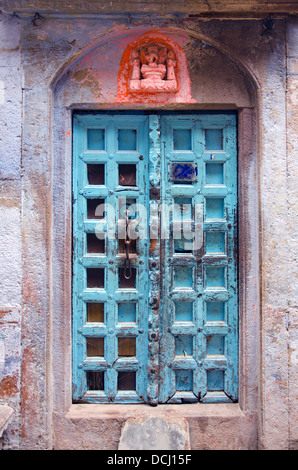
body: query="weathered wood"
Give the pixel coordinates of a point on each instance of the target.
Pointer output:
(164, 309)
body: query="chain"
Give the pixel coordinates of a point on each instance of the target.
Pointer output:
(127, 262)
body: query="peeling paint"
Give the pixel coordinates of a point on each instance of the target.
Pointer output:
(9, 387)
(294, 352)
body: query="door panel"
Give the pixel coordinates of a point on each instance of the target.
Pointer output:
(198, 317)
(109, 177)
(155, 319)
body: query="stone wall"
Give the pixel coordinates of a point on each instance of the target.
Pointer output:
(11, 104)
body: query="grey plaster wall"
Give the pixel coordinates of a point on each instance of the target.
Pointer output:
(292, 208)
(11, 224)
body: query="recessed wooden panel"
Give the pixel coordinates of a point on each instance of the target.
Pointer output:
(94, 244)
(95, 208)
(126, 380)
(183, 345)
(182, 208)
(95, 278)
(95, 380)
(215, 344)
(95, 312)
(96, 174)
(182, 139)
(95, 347)
(126, 346)
(127, 175)
(214, 208)
(215, 276)
(215, 242)
(214, 173)
(183, 245)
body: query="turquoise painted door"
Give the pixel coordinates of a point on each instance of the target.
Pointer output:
(154, 258)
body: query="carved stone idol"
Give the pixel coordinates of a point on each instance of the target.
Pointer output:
(153, 69)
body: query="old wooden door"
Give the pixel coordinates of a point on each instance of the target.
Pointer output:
(155, 257)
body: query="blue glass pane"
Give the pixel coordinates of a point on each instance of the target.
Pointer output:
(96, 174)
(127, 139)
(213, 139)
(127, 312)
(214, 173)
(215, 242)
(215, 311)
(183, 311)
(183, 345)
(183, 276)
(96, 139)
(182, 139)
(215, 345)
(215, 380)
(184, 380)
(95, 380)
(215, 277)
(214, 208)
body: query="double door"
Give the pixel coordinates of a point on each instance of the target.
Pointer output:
(154, 258)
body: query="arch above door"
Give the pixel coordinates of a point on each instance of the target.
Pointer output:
(203, 74)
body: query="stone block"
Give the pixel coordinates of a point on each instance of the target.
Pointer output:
(155, 433)
(5, 414)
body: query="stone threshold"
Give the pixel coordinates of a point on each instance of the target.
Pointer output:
(5, 415)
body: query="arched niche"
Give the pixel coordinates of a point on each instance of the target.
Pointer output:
(202, 75)
(215, 80)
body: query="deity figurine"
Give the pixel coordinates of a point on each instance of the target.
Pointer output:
(170, 66)
(152, 68)
(135, 61)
